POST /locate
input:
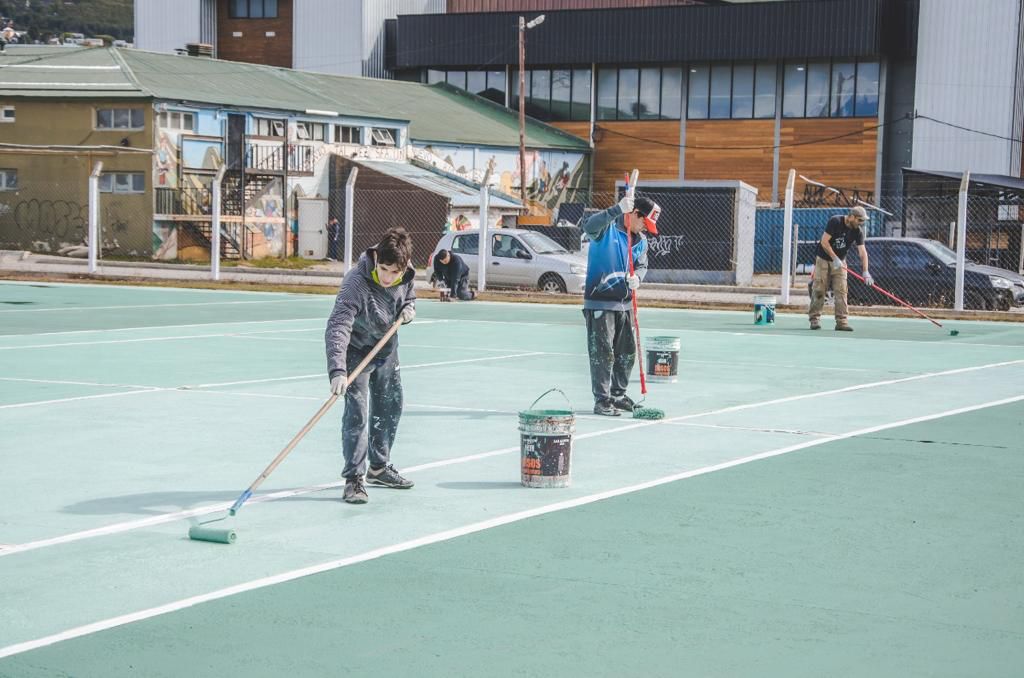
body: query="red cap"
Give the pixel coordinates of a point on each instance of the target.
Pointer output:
(650, 211)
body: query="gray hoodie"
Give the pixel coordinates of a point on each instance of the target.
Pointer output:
(363, 312)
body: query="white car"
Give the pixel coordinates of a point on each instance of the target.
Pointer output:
(519, 258)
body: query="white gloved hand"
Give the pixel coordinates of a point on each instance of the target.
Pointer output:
(408, 313)
(838, 263)
(868, 280)
(633, 281)
(626, 204)
(338, 385)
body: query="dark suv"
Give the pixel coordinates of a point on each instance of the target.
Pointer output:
(922, 272)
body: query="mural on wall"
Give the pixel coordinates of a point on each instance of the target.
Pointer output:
(201, 154)
(165, 160)
(552, 177)
(459, 222)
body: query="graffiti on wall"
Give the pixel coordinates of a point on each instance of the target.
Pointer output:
(49, 224)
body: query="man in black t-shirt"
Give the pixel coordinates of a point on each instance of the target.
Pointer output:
(841, 233)
(452, 271)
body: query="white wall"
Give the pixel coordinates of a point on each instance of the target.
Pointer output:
(162, 26)
(966, 71)
(327, 36)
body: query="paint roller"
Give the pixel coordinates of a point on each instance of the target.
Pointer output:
(201, 531)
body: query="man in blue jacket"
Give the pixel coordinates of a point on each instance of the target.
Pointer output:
(607, 297)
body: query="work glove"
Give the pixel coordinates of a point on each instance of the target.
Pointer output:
(407, 314)
(868, 280)
(633, 281)
(338, 385)
(838, 263)
(626, 204)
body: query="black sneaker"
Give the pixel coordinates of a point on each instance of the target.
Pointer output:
(844, 328)
(388, 477)
(605, 408)
(355, 491)
(624, 403)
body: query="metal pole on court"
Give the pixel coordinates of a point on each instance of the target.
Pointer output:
(787, 236)
(215, 224)
(961, 241)
(350, 196)
(94, 215)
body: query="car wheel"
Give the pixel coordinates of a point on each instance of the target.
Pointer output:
(552, 283)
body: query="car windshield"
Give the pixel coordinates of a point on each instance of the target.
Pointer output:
(940, 252)
(541, 244)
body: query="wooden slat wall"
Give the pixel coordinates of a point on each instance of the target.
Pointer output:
(752, 166)
(579, 129)
(254, 46)
(615, 155)
(847, 163)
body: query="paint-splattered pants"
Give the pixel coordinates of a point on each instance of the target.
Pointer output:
(826, 272)
(373, 406)
(612, 348)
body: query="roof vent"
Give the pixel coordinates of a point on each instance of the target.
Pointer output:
(199, 49)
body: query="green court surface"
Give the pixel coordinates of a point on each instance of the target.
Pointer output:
(814, 504)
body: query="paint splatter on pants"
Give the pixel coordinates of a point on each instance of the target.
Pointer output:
(824, 272)
(373, 407)
(612, 348)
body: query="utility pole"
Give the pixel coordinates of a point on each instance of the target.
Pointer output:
(523, 26)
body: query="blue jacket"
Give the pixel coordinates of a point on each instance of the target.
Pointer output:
(608, 264)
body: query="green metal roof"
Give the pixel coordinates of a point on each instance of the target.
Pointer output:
(435, 113)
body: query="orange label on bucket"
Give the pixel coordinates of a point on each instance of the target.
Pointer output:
(531, 466)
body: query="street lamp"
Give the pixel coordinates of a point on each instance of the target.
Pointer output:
(523, 26)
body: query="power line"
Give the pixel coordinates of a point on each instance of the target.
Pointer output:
(967, 129)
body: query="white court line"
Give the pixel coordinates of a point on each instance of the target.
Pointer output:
(76, 383)
(217, 335)
(150, 306)
(447, 535)
(318, 375)
(175, 327)
(34, 403)
(172, 517)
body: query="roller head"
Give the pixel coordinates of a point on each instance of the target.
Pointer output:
(218, 536)
(648, 413)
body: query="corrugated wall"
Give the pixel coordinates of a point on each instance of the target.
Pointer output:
(966, 75)
(374, 14)
(346, 37)
(548, 5)
(162, 26)
(327, 36)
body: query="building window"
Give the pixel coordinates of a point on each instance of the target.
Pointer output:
(346, 134)
(176, 120)
(817, 90)
(476, 81)
(650, 94)
(8, 180)
(253, 9)
(487, 84)
(629, 93)
(697, 99)
(743, 91)
(384, 137)
(764, 90)
(265, 127)
(843, 76)
(671, 93)
(721, 86)
(434, 77)
(580, 94)
(607, 85)
(457, 79)
(793, 90)
(867, 89)
(6, 113)
(561, 95)
(314, 131)
(122, 182)
(120, 118)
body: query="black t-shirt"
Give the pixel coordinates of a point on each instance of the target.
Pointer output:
(451, 272)
(842, 237)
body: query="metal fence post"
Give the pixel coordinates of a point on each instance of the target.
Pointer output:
(961, 241)
(215, 225)
(94, 215)
(482, 249)
(350, 196)
(787, 236)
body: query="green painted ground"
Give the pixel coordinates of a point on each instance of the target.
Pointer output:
(892, 550)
